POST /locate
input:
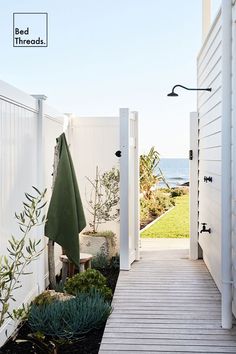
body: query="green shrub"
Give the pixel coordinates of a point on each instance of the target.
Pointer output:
(89, 280)
(156, 206)
(44, 298)
(144, 210)
(115, 262)
(101, 261)
(177, 192)
(69, 319)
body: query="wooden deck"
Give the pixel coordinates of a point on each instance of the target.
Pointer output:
(166, 304)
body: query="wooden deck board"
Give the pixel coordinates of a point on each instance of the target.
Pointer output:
(166, 304)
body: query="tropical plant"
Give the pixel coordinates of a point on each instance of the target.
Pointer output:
(69, 319)
(104, 198)
(89, 280)
(150, 173)
(20, 252)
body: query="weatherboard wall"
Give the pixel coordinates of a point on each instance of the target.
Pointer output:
(210, 142)
(209, 134)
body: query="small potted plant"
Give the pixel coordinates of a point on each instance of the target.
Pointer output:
(103, 206)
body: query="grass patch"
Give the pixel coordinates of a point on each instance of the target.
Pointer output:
(174, 224)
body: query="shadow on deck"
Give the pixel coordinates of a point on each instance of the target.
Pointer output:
(166, 304)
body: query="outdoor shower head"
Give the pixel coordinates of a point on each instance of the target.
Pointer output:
(173, 94)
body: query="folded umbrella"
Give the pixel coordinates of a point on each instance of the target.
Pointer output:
(65, 218)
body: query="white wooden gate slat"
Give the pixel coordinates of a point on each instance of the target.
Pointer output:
(194, 186)
(129, 188)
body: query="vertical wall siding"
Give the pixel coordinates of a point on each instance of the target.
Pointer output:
(18, 168)
(209, 110)
(19, 172)
(17, 154)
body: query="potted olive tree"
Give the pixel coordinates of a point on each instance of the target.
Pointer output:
(103, 206)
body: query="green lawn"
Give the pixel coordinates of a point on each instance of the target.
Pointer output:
(174, 224)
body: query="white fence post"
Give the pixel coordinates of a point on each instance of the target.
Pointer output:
(193, 166)
(136, 190)
(40, 185)
(124, 189)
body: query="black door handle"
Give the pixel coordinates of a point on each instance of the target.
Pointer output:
(118, 153)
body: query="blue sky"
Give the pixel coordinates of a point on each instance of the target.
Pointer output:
(106, 54)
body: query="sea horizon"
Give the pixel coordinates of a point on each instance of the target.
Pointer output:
(175, 171)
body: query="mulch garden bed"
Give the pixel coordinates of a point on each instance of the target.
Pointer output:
(144, 223)
(88, 344)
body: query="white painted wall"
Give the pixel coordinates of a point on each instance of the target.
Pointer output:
(93, 142)
(209, 110)
(20, 169)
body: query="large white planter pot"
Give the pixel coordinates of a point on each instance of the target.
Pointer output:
(94, 245)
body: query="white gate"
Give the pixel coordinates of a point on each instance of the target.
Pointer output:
(129, 188)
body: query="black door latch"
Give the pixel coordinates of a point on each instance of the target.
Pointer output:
(207, 179)
(190, 154)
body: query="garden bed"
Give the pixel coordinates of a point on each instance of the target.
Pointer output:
(161, 201)
(86, 344)
(153, 221)
(174, 224)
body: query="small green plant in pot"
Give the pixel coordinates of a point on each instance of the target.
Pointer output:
(103, 207)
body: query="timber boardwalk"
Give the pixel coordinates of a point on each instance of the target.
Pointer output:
(166, 304)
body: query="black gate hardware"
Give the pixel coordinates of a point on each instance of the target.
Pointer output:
(190, 154)
(118, 153)
(204, 228)
(207, 179)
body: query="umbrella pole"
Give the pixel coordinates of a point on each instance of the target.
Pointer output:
(51, 256)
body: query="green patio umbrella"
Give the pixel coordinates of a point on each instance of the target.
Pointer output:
(65, 218)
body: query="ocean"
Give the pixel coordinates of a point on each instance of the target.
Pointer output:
(176, 171)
